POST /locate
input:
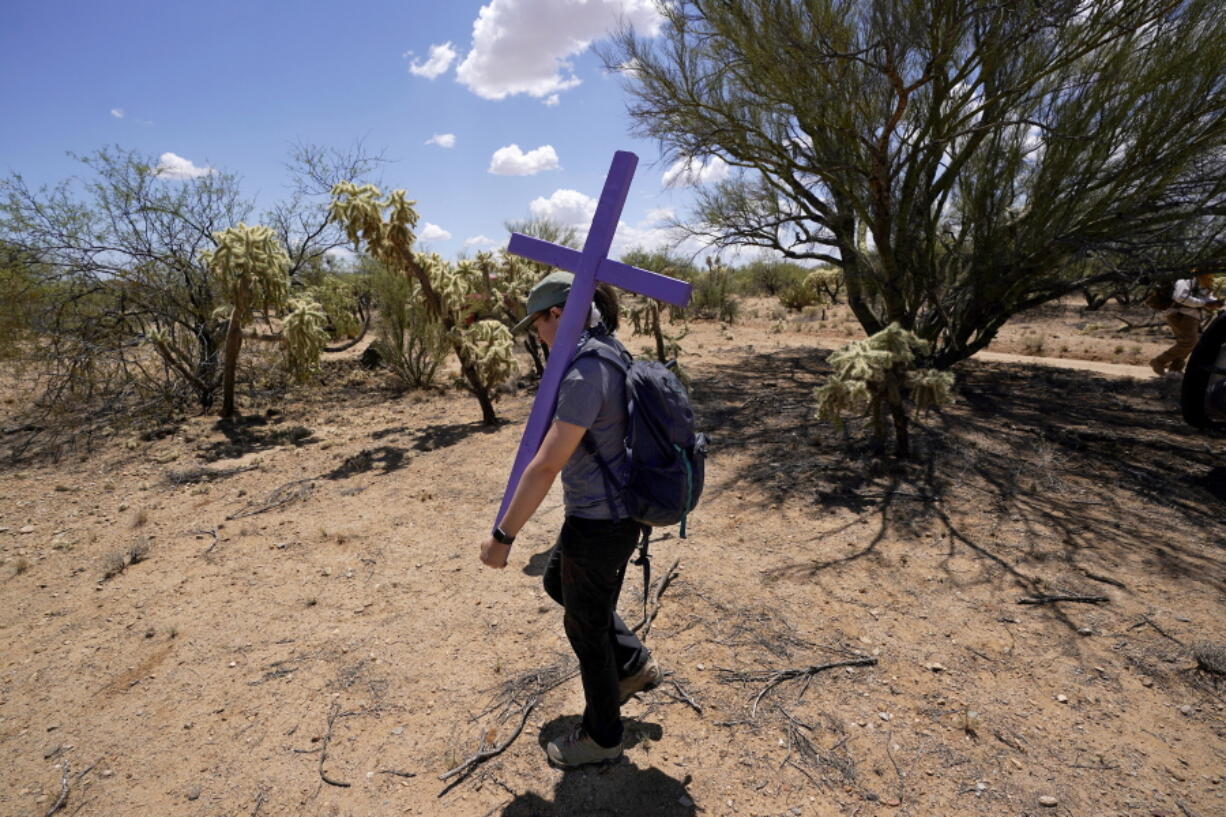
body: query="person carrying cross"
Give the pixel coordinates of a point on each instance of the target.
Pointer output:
(588, 562)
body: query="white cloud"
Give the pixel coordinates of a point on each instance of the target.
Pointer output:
(171, 166)
(479, 241)
(433, 232)
(441, 57)
(570, 208)
(443, 140)
(691, 172)
(524, 46)
(117, 113)
(551, 100)
(511, 161)
(660, 214)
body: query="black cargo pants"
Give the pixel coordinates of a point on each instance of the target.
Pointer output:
(584, 574)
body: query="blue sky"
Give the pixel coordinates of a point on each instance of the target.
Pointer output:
(233, 85)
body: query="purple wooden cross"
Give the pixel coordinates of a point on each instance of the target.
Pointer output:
(589, 266)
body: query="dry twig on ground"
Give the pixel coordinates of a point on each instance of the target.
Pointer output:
(775, 678)
(190, 476)
(294, 491)
(1044, 598)
(483, 754)
(323, 747)
(653, 600)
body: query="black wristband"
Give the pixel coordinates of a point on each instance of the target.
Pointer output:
(503, 538)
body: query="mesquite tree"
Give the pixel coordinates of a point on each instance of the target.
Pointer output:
(251, 266)
(385, 227)
(956, 160)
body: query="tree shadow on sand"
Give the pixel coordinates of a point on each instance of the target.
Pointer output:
(618, 790)
(1090, 466)
(432, 438)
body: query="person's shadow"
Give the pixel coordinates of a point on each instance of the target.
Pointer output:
(608, 791)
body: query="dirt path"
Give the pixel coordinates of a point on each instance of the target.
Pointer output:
(1101, 367)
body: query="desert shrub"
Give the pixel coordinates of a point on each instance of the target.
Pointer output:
(714, 293)
(876, 375)
(337, 297)
(798, 295)
(412, 343)
(770, 277)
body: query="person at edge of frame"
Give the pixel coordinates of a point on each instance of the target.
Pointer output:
(1192, 297)
(587, 564)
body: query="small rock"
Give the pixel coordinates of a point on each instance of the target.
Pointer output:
(1185, 710)
(107, 773)
(233, 664)
(1085, 631)
(1062, 699)
(885, 716)
(935, 667)
(193, 793)
(399, 730)
(1147, 682)
(26, 529)
(685, 801)
(51, 751)
(1047, 801)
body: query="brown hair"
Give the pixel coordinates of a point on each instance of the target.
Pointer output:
(606, 302)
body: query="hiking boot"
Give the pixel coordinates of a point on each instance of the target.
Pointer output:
(646, 677)
(576, 748)
(1157, 367)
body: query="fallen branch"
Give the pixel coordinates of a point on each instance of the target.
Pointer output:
(210, 532)
(299, 489)
(1043, 598)
(397, 773)
(63, 798)
(259, 802)
(1146, 620)
(1098, 577)
(323, 747)
(683, 696)
(653, 600)
(774, 679)
(464, 769)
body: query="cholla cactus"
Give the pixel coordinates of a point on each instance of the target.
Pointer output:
(824, 281)
(251, 266)
(335, 296)
(875, 374)
(491, 348)
(360, 210)
(304, 338)
(385, 226)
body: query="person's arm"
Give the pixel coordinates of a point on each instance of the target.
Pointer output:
(1184, 294)
(559, 444)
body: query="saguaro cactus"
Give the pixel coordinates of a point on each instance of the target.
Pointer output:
(874, 375)
(251, 266)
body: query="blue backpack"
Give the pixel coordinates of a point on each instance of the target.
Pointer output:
(666, 456)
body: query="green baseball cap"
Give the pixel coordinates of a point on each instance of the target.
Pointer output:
(550, 291)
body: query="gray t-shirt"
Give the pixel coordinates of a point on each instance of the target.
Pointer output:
(593, 395)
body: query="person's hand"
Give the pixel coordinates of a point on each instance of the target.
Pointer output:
(494, 553)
